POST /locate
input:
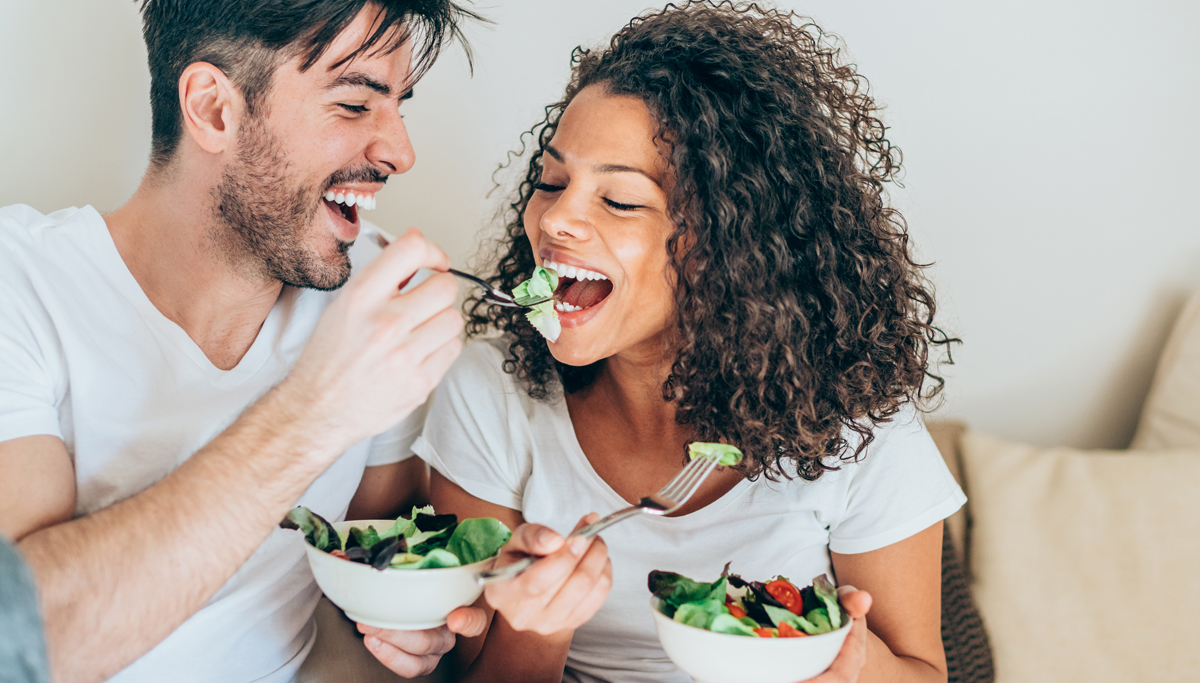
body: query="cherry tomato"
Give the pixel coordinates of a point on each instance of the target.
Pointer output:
(787, 595)
(338, 553)
(766, 633)
(734, 610)
(786, 630)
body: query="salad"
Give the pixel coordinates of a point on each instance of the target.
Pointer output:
(537, 293)
(732, 605)
(423, 541)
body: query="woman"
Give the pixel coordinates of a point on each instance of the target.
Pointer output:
(710, 192)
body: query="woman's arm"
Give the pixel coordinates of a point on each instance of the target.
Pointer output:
(532, 618)
(904, 580)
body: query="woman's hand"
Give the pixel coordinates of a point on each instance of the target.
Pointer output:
(853, 655)
(564, 589)
(417, 653)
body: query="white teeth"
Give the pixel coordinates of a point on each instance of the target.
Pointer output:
(573, 272)
(566, 307)
(364, 201)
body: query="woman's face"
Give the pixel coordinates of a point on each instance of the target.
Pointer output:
(601, 207)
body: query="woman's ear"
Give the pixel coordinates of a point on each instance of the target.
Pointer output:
(210, 106)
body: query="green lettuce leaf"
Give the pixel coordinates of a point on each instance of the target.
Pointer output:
(537, 289)
(819, 618)
(676, 589)
(361, 538)
(700, 614)
(723, 453)
(825, 590)
(780, 615)
(544, 319)
(319, 533)
(436, 559)
(727, 623)
(478, 539)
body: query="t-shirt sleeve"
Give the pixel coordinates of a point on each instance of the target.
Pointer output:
(28, 399)
(899, 488)
(396, 444)
(474, 430)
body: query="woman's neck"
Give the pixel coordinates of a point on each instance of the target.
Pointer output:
(628, 390)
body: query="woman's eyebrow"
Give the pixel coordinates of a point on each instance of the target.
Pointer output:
(606, 168)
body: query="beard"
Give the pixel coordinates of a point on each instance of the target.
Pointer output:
(263, 216)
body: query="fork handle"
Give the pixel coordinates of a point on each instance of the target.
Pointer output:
(510, 571)
(605, 522)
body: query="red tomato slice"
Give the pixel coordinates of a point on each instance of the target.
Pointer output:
(766, 633)
(786, 630)
(338, 553)
(736, 611)
(787, 595)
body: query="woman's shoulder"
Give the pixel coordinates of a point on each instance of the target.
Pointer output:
(480, 373)
(482, 361)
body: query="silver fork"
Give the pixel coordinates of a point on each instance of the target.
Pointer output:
(668, 499)
(493, 295)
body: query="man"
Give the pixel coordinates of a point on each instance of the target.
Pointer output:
(176, 375)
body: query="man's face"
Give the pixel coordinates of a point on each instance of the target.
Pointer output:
(310, 159)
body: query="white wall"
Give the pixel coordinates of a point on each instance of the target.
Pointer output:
(1050, 149)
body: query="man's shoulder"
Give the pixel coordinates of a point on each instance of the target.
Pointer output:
(26, 233)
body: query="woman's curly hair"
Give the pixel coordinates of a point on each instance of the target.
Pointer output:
(801, 313)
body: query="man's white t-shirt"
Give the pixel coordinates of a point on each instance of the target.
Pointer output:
(487, 435)
(85, 356)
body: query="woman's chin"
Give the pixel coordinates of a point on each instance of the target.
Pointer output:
(573, 354)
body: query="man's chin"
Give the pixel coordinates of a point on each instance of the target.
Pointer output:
(325, 274)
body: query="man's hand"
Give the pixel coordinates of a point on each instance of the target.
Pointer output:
(417, 653)
(376, 354)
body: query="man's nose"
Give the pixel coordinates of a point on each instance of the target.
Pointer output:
(391, 149)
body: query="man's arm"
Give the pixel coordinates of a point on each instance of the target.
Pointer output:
(113, 584)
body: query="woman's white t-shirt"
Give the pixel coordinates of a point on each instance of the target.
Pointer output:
(488, 436)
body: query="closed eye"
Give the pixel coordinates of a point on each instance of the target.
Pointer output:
(545, 187)
(354, 108)
(621, 207)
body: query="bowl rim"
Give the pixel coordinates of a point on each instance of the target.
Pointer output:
(655, 601)
(352, 523)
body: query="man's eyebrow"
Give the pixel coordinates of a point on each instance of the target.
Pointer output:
(361, 80)
(606, 168)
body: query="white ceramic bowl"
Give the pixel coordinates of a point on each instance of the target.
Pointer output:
(722, 658)
(397, 599)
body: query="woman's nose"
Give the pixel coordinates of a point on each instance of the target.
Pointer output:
(566, 219)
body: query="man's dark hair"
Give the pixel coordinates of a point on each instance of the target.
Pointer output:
(248, 39)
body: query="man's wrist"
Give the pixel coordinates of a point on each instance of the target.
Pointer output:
(296, 423)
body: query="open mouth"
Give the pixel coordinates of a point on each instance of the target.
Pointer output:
(347, 202)
(578, 288)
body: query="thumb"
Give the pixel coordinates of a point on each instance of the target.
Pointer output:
(467, 621)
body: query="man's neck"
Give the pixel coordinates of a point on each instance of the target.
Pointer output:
(165, 235)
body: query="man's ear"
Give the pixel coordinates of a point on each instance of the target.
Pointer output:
(211, 106)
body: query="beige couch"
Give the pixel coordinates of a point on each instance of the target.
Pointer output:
(1085, 565)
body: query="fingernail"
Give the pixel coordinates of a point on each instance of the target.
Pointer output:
(578, 545)
(545, 537)
(367, 629)
(372, 642)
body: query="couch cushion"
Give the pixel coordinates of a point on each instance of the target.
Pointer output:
(947, 434)
(1084, 562)
(1171, 414)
